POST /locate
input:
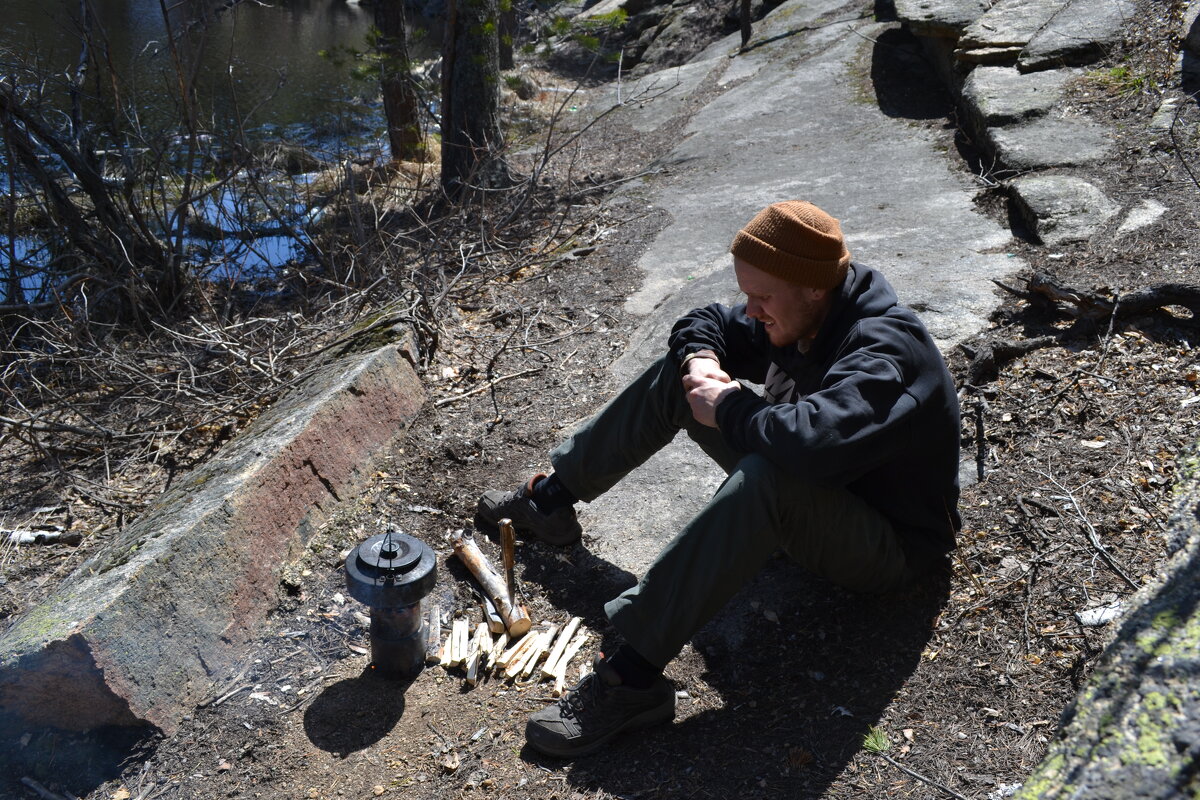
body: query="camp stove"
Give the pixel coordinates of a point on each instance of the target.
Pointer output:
(391, 573)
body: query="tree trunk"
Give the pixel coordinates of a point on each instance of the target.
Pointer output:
(471, 136)
(745, 17)
(399, 96)
(508, 29)
(1134, 729)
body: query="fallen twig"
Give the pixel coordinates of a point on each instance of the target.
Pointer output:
(43, 792)
(1093, 305)
(445, 401)
(919, 776)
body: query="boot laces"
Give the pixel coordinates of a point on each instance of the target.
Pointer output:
(584, 695)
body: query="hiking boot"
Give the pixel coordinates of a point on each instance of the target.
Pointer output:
(595, 710)
(559, 527)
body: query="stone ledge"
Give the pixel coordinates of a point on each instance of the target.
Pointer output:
(141, 632)
(1061, 208)
(941, 18)
(1045, 143)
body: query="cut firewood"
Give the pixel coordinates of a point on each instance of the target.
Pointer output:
(515, 616)
(447, 652)
(492, 616)
(517, 664)
(498, 649)
(458, 647)
(433, 632)
(560, 669)
(560, 646)
(516, 649)
(481, 644)
(541, 649)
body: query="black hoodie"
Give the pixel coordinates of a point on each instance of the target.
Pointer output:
(876, 410)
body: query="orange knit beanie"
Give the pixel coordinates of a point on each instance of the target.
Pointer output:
(796, 241)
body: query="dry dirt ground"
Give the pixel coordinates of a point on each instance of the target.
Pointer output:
(961, 681)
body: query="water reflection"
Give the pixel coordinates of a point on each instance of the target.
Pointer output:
(260, 75)
(247, 54)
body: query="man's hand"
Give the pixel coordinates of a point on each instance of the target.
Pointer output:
(702, 366)
(706, 391)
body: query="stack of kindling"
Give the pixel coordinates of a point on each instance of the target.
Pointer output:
(515, 660)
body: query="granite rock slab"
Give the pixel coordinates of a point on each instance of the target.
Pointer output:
(1082, 32)
(1143, 215)
(1061, 208)
(1049, 142)
(1191, 27)
(142, 631)
(939, 18)
(1004, 95)
(1005, 29)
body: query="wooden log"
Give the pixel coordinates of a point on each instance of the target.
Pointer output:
(515, 616)
(560, 646)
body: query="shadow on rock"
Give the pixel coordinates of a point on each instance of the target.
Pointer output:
(904, 81)
(1190, 74)
(67, 761)
(353, 714)
(579, 582)
(794, 672)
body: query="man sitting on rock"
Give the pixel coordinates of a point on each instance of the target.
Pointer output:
(848, 461)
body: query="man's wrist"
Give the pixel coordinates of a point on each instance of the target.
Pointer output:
(709, 354)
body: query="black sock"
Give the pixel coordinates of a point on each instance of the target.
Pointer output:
(550, 494)
(635, 671)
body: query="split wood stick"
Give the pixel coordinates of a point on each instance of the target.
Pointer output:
(481, 643)
(447, 651)
(516, 618)
(514, 650)
(542, 648)
(494, 623)
(464, 640)
(517, 665)
(433, 632)
(556, 652)
(572, 649)
(560, 669)
(498, 649)
(458, 650)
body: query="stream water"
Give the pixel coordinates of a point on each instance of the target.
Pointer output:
(279, 69)
(246, 55)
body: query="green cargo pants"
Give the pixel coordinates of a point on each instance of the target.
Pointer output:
(758, 509)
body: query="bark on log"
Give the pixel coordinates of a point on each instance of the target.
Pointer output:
(515, 617)
(1134, 729)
